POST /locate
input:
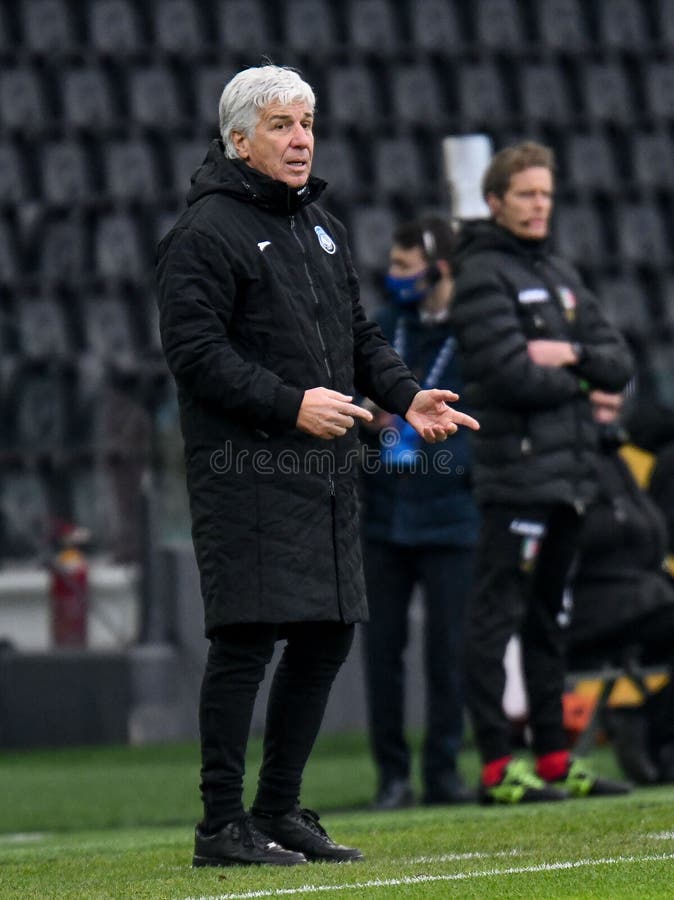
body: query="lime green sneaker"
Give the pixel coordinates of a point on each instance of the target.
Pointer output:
(581, 781)
(520, 784)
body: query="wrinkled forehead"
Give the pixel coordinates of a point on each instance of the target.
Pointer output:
(277, 109)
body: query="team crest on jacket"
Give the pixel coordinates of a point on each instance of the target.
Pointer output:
(568, 300)
(325, 240)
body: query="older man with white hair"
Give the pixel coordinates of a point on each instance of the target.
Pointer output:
(264, 332)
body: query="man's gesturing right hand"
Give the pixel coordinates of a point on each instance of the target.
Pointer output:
(328, 414)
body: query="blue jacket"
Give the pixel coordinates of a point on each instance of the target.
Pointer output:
(432, 504)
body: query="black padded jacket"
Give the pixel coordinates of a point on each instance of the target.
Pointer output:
(537, 440)
(259, 302)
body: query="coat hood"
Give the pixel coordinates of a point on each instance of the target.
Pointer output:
(478, 235)
(220, 175)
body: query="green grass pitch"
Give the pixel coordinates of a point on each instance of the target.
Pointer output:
(94, 823)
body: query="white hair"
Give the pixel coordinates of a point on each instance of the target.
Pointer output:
(252, 89)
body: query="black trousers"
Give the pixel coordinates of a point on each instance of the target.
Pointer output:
(237, 658)
(524, 558)
(391, 572)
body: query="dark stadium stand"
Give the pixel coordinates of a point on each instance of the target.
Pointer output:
(107, 106)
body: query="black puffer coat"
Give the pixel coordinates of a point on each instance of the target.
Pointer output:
(537, 439)
(259, 302)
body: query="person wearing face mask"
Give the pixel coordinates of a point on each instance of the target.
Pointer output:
(419, 525)
(622, 596)
(533, 342)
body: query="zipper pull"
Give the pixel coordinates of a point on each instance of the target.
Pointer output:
(331, 483)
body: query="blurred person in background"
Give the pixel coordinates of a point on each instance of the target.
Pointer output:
(264, 333)
(661, 490)
(420, 526)
(533, 342)
(622, 598)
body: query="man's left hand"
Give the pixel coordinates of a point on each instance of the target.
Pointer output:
(430, 416)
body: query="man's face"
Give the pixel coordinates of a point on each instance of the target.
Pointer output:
(526, 206)
(282, 144)
(404, 262)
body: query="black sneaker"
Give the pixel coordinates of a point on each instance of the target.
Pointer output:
(581, 781)
(239, 843)
(299, 830)
(520, 784)
(394, 794)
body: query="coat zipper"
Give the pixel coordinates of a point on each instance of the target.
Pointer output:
(315, 296)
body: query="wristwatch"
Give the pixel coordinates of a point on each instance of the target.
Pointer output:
(579, 352)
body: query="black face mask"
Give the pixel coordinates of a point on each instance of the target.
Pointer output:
(611, 435)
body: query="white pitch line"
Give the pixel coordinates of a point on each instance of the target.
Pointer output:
(456, 857)
(425, 879)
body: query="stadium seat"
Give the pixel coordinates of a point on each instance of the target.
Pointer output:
(243, 26)
(62, 253)
(371, 26)
(309, 26)
(335, 162)
(41, 424)
(107, 330)
(622, 26)
(209, 82)
(117, 248)
(153, 100)
(544, 94)
(661, 360)
(561, 26)
(398, 168)
(42, 328)
(416, 96)
(6, 41)
(165, 219)
(482, 100)
(652, 155)
(659, 88)
(47, 27)
(114, 29)
(24, 510)
(186, 156)
(371, 232)
(8, 254)
(498, 25)
(22, 103)
(352, 98)
(579, 233)
(13, 185)
(95, 505)
(87, 99)
(130, 171)
(590, 163)
(665, 22)
(606, 93)
(625, 302)
(66, 177)
(178, 29)
(435, 26)
(666, 302)
(642, 236)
